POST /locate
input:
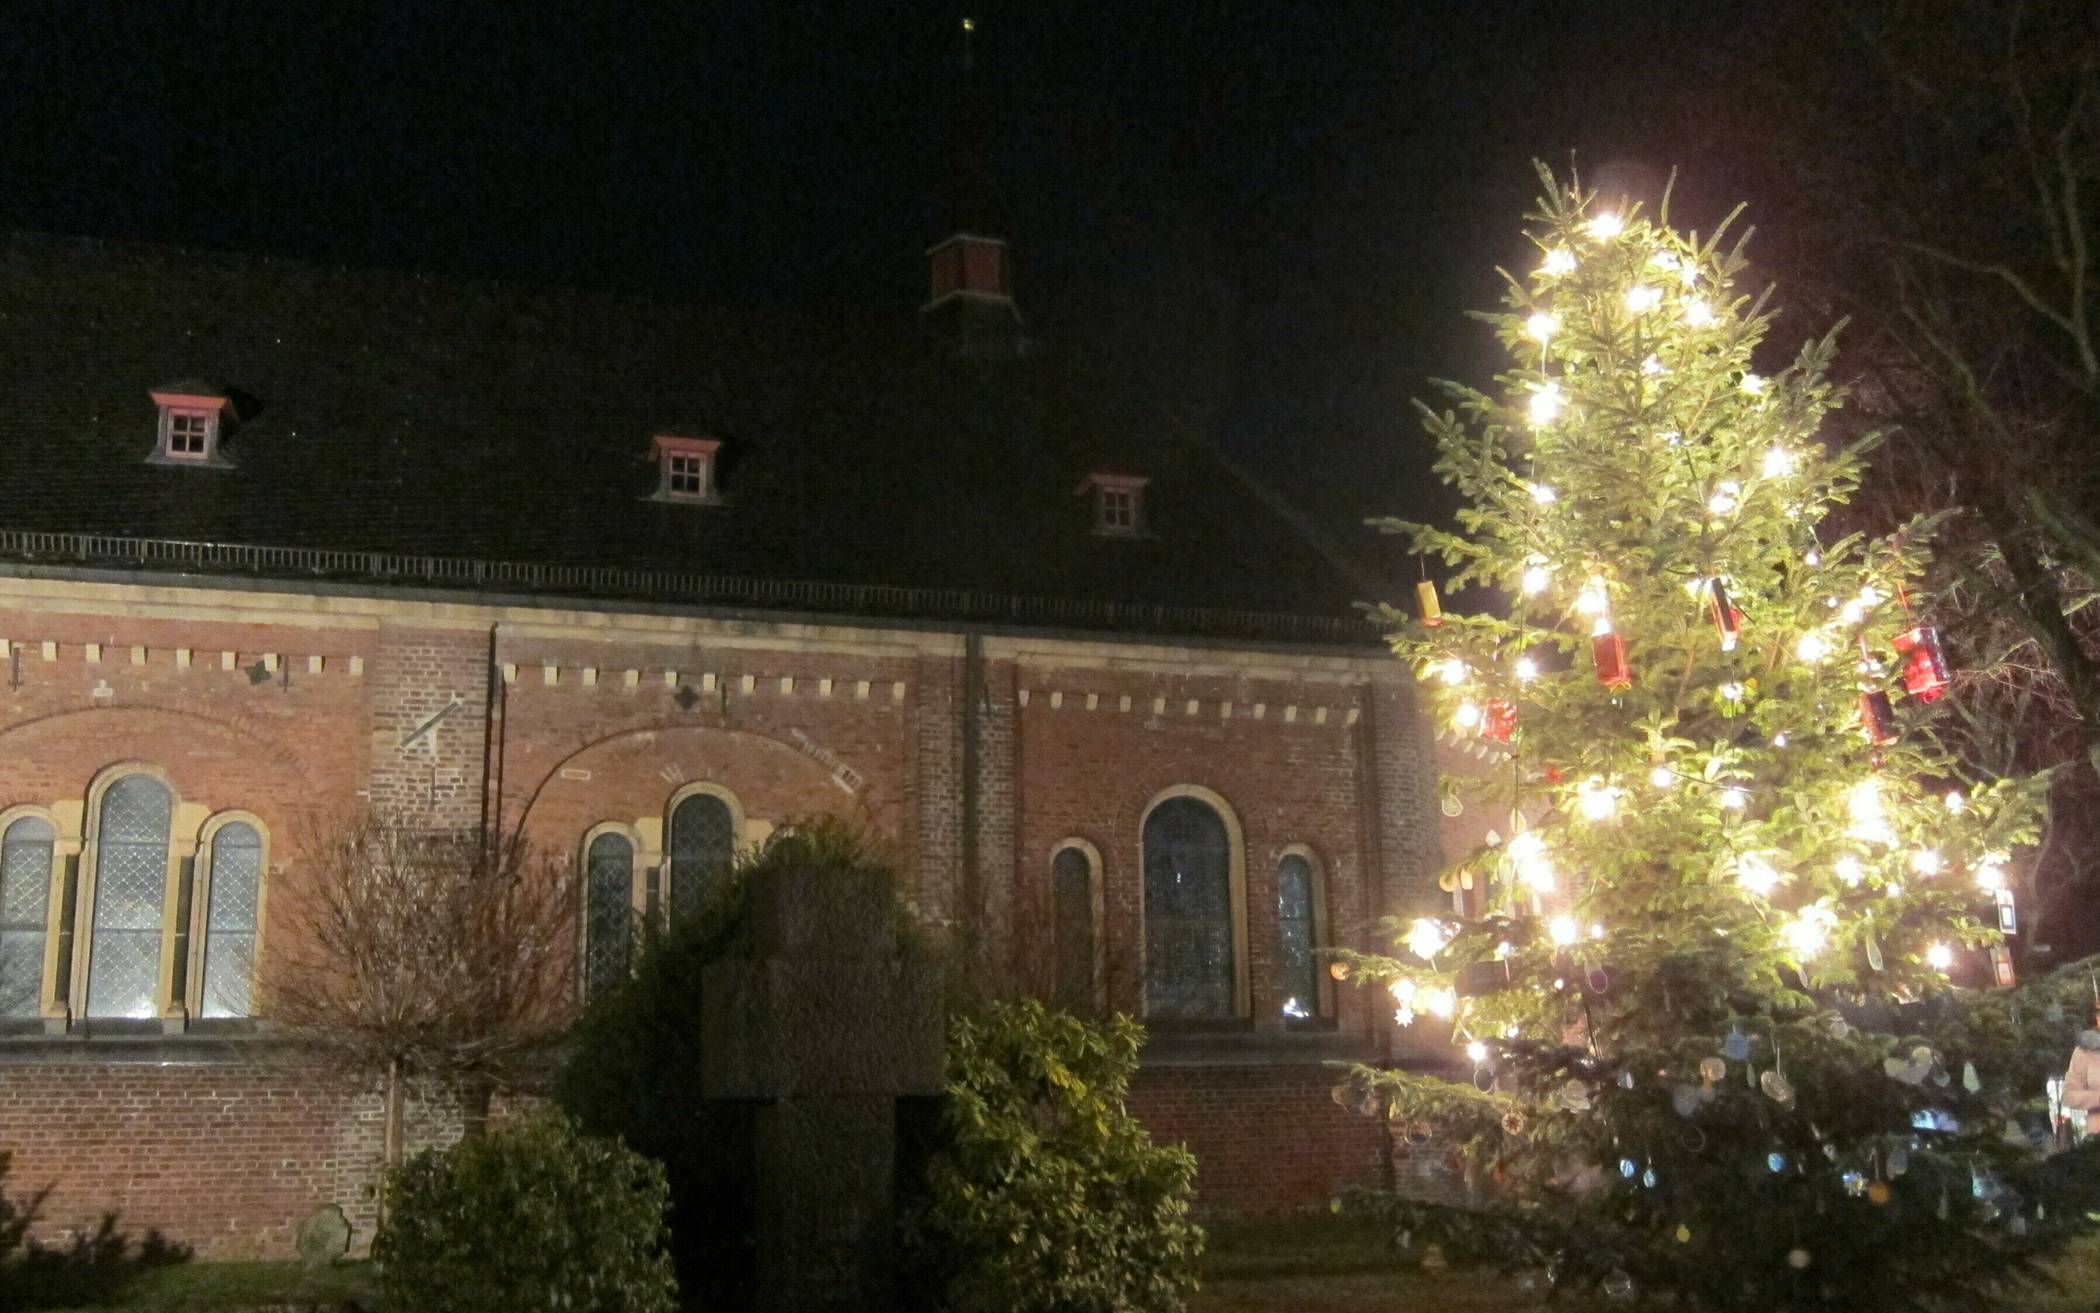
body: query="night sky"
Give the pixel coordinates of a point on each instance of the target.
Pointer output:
(1275, 213)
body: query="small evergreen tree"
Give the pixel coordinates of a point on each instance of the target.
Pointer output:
(1727, 857)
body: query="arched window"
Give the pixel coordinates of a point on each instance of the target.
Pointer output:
(608, 912)
(231, 921)
(1191, 962)
(1072, 931)
(1298, 927)
(703, 843)
(25, 901)
(131, 888)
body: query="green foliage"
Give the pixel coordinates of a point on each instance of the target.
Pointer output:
(1048, 1196)
(1705, 989)
(533, 1216)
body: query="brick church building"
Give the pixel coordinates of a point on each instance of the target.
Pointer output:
(641, 582)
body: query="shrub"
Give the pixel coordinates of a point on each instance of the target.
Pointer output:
(1047, 1196)
(532, 1216)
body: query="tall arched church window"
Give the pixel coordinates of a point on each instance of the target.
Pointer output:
(1072, 929)
(608, 913)
(231, 921)
(1298, 928)
(703, 843)
(131, 887)
(25, 902)
(1189, 939)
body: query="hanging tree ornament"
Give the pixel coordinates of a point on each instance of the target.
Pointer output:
(1425, 601)
(1608, 647)
(1924, 663)
(1498, 720)
(1877, 717)
(1728, 622)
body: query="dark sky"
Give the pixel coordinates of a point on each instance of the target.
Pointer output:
(1280, 209)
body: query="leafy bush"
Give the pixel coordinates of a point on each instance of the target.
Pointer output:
(533, 1216)
(1047, 1196)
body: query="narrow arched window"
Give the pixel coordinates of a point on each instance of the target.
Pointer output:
(25, 900)
(1072, 929)
(1188, 912)
(703, 843)
(131, 887)
(1298, 929)
(608, 913)
(231, 922)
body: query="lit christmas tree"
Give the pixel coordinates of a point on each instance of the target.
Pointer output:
(1726, 845)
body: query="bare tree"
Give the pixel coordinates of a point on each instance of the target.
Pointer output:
(439, 956)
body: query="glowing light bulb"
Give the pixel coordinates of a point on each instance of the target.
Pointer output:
(1956, 804)
(1526, 670)
(1546, 403)
(1592, 600)
(1852, 612)
(1477, 1052)
(1727, 496)
(1467, 716)
(1427, 937)
(1812, 647)
(1560, 260)
(1403, 991)
(1939, 957)
(1596, 800)
(1606, 226)
(1732, 691)
(1756, 874)
(1779, 739)
(1662, 777)
(1441, 1002)
(1780, 462)
(1926, 861)
(1753, 384)
(1652, 366)
(1990, 877)
(1735, 799)
(1848, 869)
(1811, 558)
(1807, 935)
(1641, 298)
(1526, 846)
(1869, 815)
(1543, 494)
(1563, 931)
(1541, 327)
(1688, 274)
(1597, 930)
(1697, 313)
(1537, 579)
(1453, 672)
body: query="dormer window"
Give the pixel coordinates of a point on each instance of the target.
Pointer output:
(685, 468)
(1119, 501)
(192, 420)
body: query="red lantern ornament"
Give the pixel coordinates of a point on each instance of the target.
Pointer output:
(1877, 718)
(1425, 601)
(1498, 720)
(1924, 664)
(1728, 621)
(1609, 650)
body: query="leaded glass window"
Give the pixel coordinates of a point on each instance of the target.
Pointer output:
(1072, 929)
(608, 913)
(1188, 912)
(131, 886)
(1294, 919)
(25, 898)
(230, 922)
(703, 842)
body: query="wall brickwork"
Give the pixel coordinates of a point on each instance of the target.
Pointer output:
(551, 722)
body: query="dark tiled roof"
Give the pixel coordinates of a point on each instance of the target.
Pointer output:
(417, 415)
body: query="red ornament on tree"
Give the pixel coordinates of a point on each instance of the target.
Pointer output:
(1498, 720)
(1728, 621)
(1609, 650)
(1924, 664)
(1877, 718)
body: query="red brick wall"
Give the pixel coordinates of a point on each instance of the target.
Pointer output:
(1267, 1139)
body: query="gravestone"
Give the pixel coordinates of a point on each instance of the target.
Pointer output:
(324, 1237)
(818, 1018)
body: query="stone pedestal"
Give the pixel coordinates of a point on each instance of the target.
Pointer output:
(818, 1019)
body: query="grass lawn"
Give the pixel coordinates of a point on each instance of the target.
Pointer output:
(1320, 1264)
(196, 1286)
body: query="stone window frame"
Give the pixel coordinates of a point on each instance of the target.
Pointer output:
(738, 829)
(65, 843)
(639, 856)
(200, 909)
(1236, 872)
(676, 456)
(181, 848)
(208, 407)
(1322, 930)
(1097, 910)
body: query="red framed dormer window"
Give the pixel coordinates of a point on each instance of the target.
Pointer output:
(685, 468)
(1119, 501)
(190, 426)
